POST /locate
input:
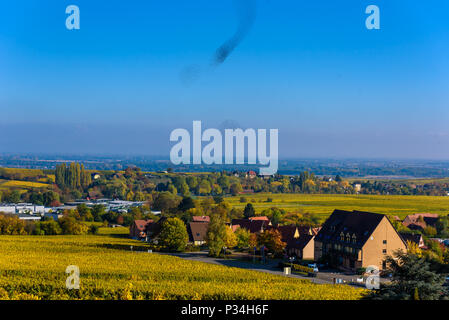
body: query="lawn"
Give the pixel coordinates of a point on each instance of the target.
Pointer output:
(323, 204)
(33, 267)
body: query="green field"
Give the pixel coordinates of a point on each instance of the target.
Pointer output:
(33, 267)
(323, 204)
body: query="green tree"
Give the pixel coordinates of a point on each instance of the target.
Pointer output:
(235, 189)
(165, 201)
(411, 277)
(70, 225)
(243, 236)
(216, 233)
(173, 235)
(186, 204)
(249, 211)
(50, 227)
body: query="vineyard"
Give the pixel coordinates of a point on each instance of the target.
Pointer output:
(324, 204)
(33, 267)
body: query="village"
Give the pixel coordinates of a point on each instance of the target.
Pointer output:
(342, 250)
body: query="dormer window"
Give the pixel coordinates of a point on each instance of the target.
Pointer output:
(354, 238)
(348, 237)
(342, 236)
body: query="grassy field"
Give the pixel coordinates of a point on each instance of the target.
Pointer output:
(33, 267)
(323, 204)
(23, 184)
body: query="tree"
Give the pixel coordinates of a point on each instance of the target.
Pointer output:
(430, 231)
(272, 240)
(275, 214)
(216, 233)
(243, 237)
(249, 211)
(230, 239)
(98, 211)
(69, 225)
(411, 277)
(186, 204)
(442, 226)
(165, 201)
(173, 235)
(236, 188)
(50, 227)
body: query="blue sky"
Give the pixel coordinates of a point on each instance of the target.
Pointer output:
(138, 69)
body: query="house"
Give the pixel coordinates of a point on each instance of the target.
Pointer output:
(413, 238)
(357, 187)
(303, 247)
(138, 229)
(251, 174)
(420, 221)
(352, 240)
(299, 240)
(201, 219)
(197, 232)
(253, 226)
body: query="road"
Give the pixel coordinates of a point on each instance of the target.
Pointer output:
(269, 267)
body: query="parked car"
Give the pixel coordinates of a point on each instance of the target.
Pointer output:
(313, 266)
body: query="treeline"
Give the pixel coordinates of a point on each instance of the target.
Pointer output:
(73, 176)
(68, 225)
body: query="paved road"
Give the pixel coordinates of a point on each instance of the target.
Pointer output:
(270, 267)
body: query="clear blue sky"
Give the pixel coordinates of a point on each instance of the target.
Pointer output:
(138, 69)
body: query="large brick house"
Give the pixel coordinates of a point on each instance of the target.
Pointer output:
(352, 240)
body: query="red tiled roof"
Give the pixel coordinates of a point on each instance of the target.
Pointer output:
(201, 219)
(142, 224)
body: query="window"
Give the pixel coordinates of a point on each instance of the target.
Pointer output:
(354, 238)
(342, 236)
(385, 241)
(384, 251)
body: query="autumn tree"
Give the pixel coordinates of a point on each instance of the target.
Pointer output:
(272, 240)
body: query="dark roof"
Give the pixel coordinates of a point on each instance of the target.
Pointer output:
(252, 226)
(197, 231)
(300, 242)
(155, 228)
(415, 238)
(358, 223)
(287, 232)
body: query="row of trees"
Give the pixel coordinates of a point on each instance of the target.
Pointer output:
(72, 176)
(12, 225)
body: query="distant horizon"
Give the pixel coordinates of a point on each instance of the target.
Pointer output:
(312, 70)
(167, 158)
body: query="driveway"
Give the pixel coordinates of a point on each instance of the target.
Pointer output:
(269, 267)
